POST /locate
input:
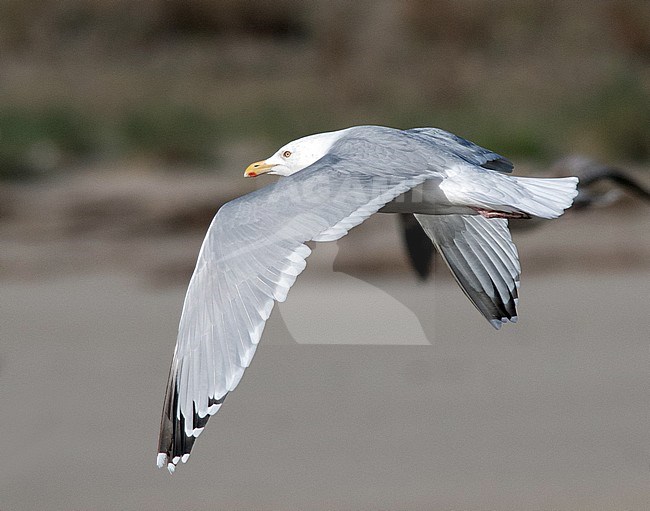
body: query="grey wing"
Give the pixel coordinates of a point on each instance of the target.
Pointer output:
(464, 149)
(252, 253)
(483, 259)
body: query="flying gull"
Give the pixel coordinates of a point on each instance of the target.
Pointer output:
(460, 193)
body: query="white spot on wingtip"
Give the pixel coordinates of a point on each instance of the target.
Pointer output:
(185, 457)
(176, 459)
(171, 467)
(161, 459)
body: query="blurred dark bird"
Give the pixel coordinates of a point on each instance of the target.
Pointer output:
(600, 185)
(593, 175)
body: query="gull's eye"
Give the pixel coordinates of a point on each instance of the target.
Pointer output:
(286, 154)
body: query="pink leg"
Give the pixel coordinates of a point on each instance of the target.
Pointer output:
(490, 213)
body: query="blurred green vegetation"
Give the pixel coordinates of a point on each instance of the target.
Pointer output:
(34, 140)
(177, 81)
(175, 133)
(618, 118)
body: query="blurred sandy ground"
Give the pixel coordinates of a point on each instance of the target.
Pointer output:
(124, 126)
(549, 413)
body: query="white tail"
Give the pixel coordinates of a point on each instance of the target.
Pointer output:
(547, 197)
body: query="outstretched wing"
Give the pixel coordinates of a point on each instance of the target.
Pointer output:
(252, 253)
(483, 259)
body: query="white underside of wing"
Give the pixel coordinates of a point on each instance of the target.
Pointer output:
(239, 275)
(223, 321)
(224, 317)
(220, 310)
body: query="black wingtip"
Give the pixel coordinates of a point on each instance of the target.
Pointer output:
(174, 444)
